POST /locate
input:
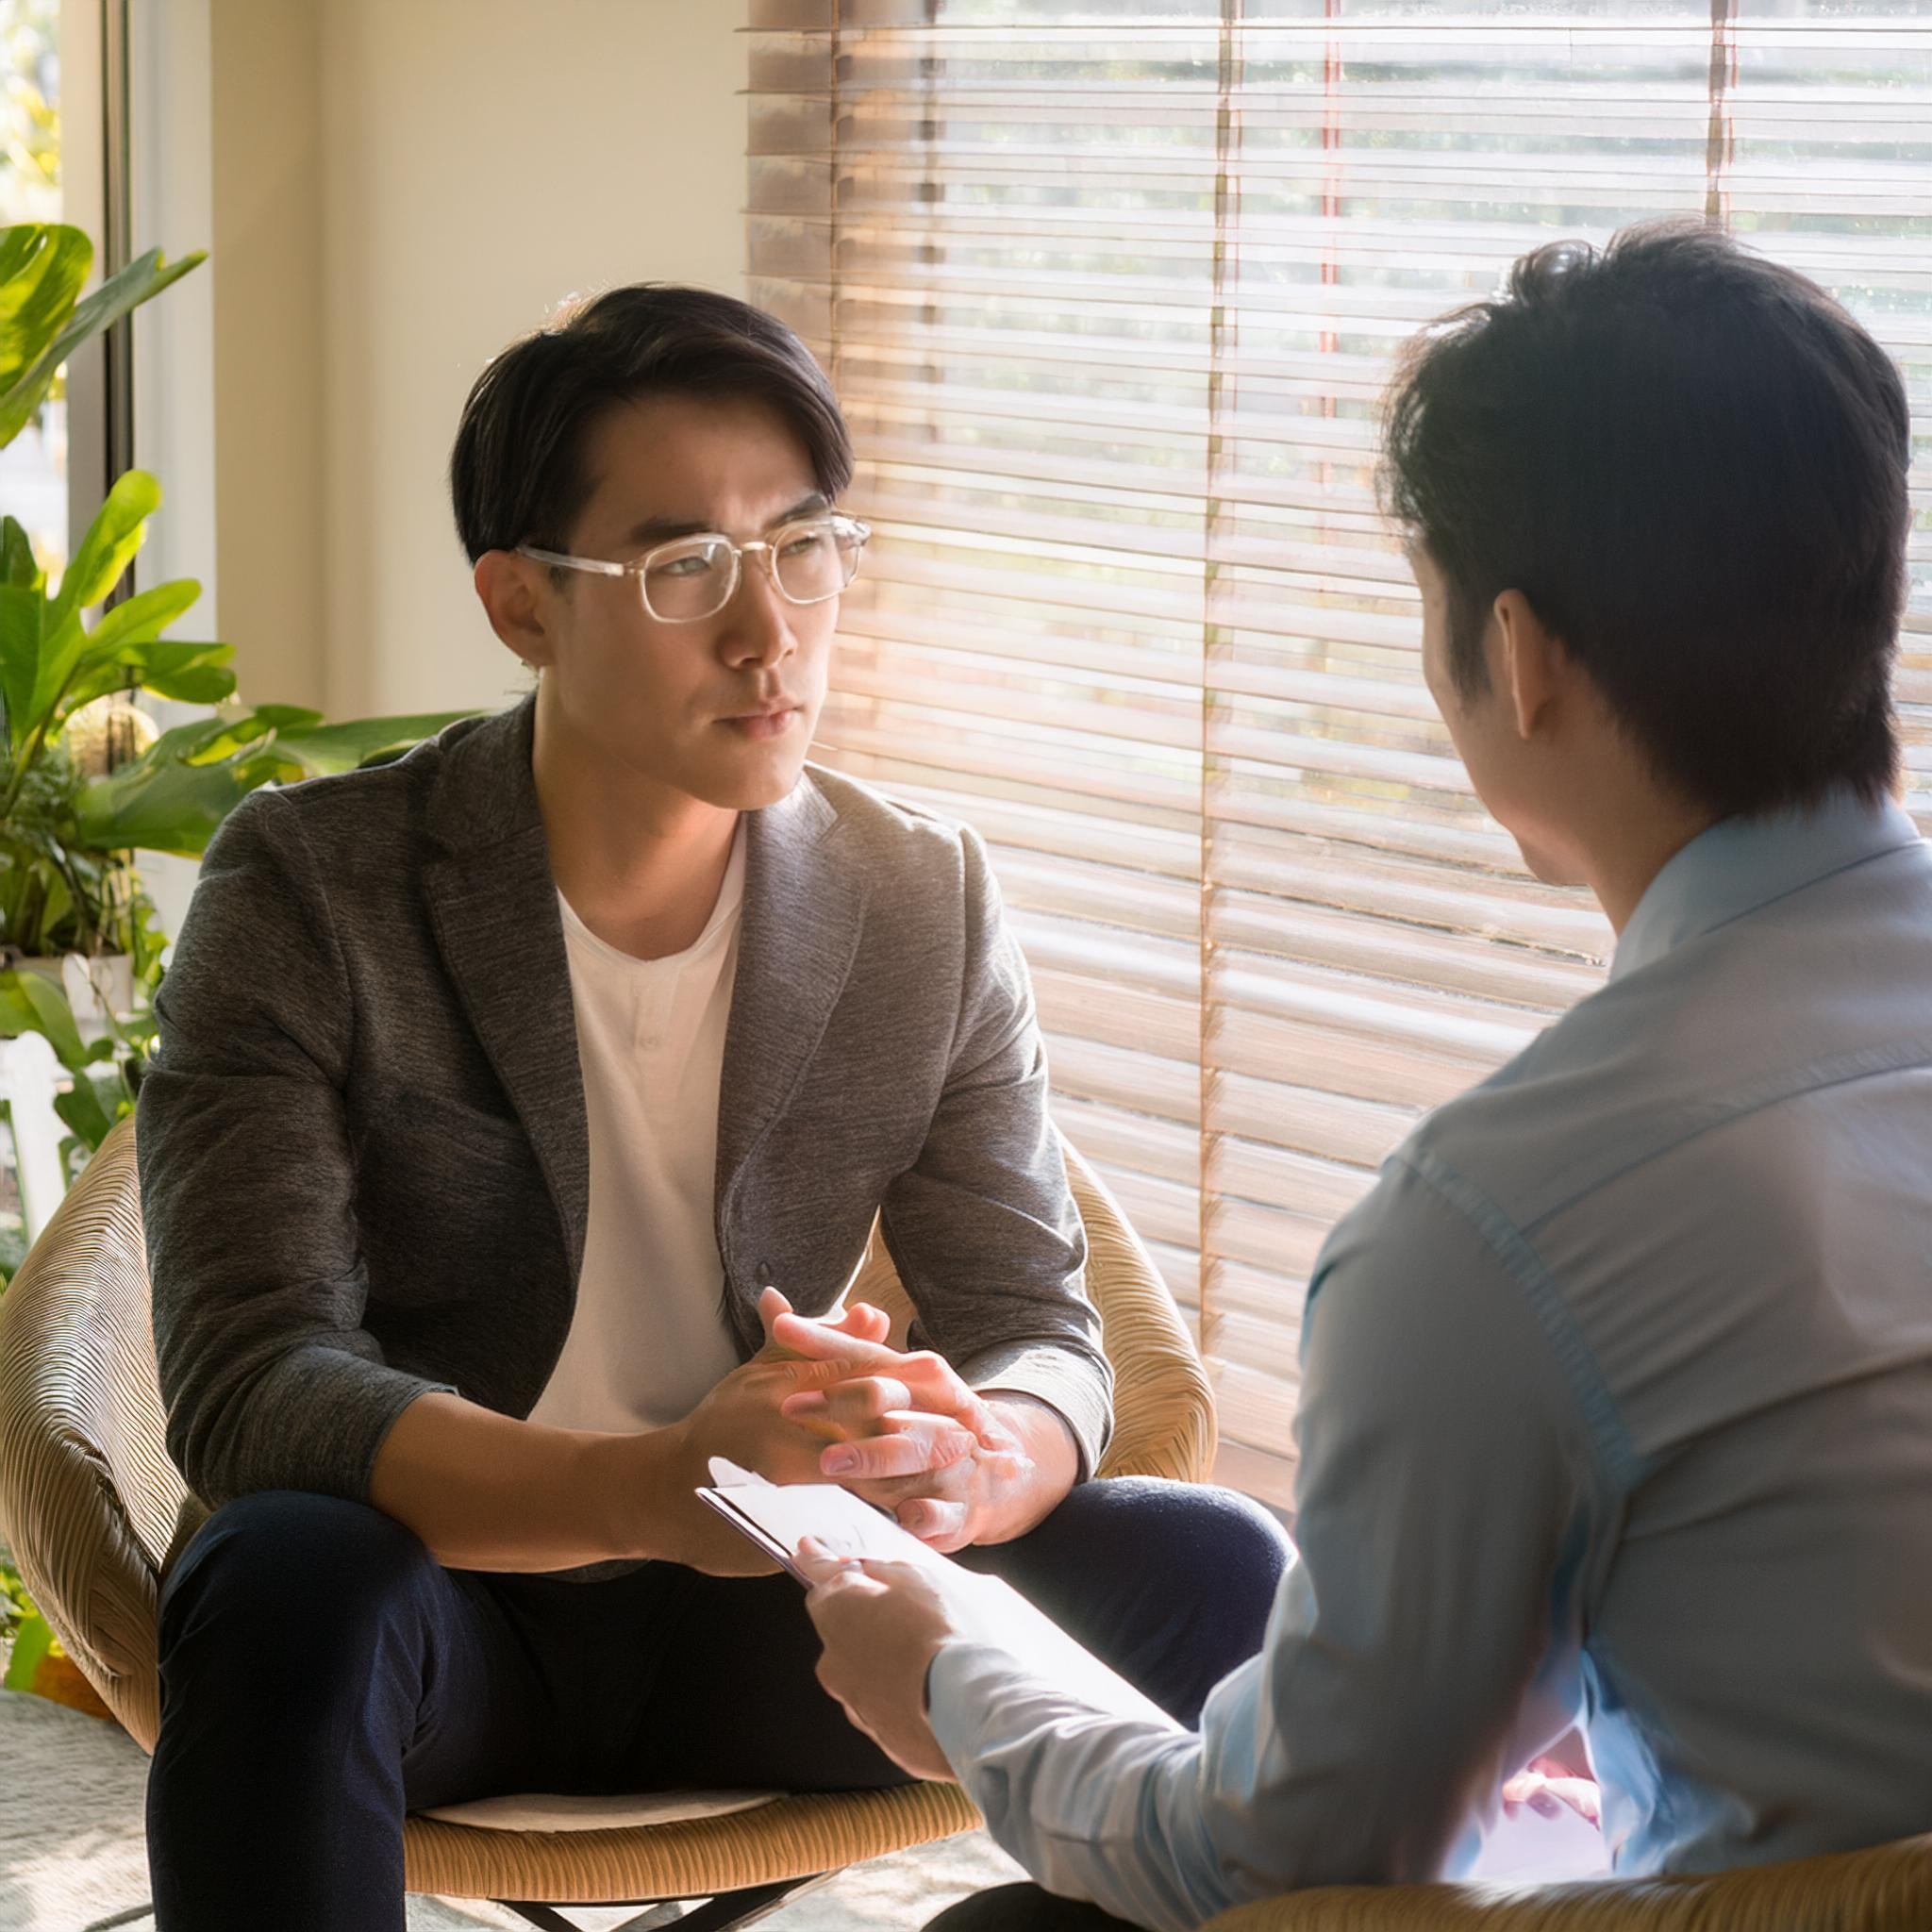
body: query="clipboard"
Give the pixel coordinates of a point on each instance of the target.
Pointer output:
(776, 1518)
(985, 1609)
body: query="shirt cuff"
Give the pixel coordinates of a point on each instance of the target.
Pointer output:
(1066, 1384)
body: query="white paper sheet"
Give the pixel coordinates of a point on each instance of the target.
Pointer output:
(983, 1609)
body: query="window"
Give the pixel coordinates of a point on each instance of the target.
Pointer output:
(33, 469)
(1110, 293)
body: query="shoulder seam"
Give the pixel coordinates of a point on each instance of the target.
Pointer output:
(1706, 1116)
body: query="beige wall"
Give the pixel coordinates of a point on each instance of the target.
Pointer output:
(401, 186)
(266, 191)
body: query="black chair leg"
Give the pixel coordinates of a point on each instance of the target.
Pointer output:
(728, 1911)
(732, 1910)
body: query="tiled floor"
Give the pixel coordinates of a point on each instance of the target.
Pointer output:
(72, 1859)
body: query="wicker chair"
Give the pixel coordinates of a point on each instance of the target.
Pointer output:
(90, 1505)
(1887, 1889)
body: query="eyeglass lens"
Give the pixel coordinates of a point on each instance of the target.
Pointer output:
(696, 578)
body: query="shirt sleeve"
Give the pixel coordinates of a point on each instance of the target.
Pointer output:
(1422, 1645)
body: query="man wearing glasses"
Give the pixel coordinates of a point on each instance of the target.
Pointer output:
(509, 1099)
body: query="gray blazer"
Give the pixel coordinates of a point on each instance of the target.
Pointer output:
(364, 1161)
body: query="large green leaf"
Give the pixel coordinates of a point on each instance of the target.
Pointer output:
(42, 267)
(324, 748)
(19, 567)
(32, 1640)
(174, 796)
(139, 619)
(204, 741)
(276, 718)
(62, 645)
(32, 1003)
(204, 680)
(197, 673)
(170, 805)
(117, 644)
(63, 641)
(22, 612)
(139, 282)
(82, 1109)
(188, 740)
(210, 740)
(57, 905)
(113, 536)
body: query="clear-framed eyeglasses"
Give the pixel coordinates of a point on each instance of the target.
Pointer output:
(694, 577)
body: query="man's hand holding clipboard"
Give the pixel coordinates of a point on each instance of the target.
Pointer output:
(886, 1604)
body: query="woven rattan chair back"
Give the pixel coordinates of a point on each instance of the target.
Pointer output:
(1887, 1889)
(89, 1499)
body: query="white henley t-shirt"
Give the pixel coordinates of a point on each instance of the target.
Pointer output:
(649, 1338)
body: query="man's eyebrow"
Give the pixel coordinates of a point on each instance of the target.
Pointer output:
(662, 530)
(668, 529)
(814, 505)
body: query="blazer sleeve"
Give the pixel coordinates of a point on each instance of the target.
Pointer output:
(982, 1227)
(247, 1182)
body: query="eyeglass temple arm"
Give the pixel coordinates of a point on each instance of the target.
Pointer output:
(596, 566)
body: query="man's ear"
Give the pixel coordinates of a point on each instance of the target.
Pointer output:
(517, 598)
(1530, 663)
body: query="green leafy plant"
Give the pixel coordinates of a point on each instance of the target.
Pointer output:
(82, 787)
(86, 781)
(43, 266)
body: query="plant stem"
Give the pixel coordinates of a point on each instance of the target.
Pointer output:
(37, 740)
(33, 902)
(90, 930)
(29, 753)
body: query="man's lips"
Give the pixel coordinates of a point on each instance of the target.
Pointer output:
(769, 721)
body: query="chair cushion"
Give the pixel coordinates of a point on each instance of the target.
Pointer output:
(563, 1811)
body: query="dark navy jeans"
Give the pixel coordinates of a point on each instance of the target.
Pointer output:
(1024, 1909)
(321, 1674)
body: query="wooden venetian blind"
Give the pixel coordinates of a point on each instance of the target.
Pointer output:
(1110, 293)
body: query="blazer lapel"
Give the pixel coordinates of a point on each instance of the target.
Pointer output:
(493, 902)
(798, 937)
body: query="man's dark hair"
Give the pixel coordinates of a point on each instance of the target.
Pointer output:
(516, 475)
(1691, 461)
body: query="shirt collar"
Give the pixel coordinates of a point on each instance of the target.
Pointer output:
(1740, 864)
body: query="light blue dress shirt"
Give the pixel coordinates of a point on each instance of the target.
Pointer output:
(1617, 1411)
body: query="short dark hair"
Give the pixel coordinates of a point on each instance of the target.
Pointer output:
(516, 473)
(1691, 461)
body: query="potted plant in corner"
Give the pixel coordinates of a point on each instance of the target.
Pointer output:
(86, 779)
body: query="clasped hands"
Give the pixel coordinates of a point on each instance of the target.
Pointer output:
(832, 1400)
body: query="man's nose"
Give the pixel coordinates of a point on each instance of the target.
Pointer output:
(758, 621)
